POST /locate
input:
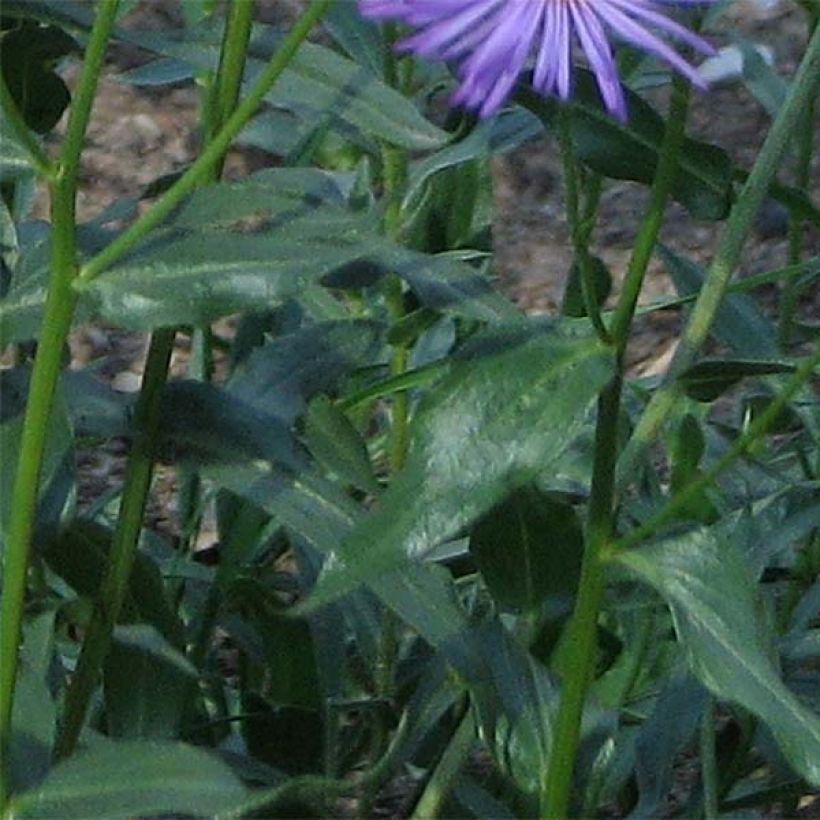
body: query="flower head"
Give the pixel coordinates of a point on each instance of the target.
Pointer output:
(491, 41)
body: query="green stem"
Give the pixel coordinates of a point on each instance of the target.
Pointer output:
(220, 101)
(56, 323)
(803, 89)
(556, 786)
(201, 170)
(792, 289)
(39, 159)
(744, 443)
(444, 775)
(579, 232)
(123, 547)
(141, 460)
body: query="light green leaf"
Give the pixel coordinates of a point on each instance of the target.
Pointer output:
(134, 779)
(717, 618)
(511, 405)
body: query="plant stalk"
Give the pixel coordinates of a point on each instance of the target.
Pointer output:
(743, 444)
(446, 771)
(59, 311)
(556, 787)
(140, 467)
(792, 289)
(123, 546)
(802, 91)
(201, 170)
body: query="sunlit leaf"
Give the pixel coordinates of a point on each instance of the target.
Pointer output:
(510, 406)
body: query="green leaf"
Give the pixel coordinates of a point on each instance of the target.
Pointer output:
(768, 87)
(33, 727)
(709, 378)
(718, 619)
(14, 159)
(527, 547)
(332, 438)
(28, 54)
(738, 323)
(630, 150)
(512, 403)
(147, 683)
(357, 35)
(79, 555)
(278, 234)
(670, 726)
(134, 779)
(573, 303)
(57, 481)
(280, 377)
(196, 278)
(317, 79)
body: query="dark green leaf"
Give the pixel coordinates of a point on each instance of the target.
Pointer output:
(27, 57)
(79, 555)
(359, 37)
(738, 323)
(503, 133)
(630, 150)
(280, 377)
(511, 405)
(672, 724)
(134, 779)
(32, 730)
(147, 683)
(527, 547)
(574, 304)
(334, 441)
(316, 79)
(719, 621)
(195, 278)
(709, 378)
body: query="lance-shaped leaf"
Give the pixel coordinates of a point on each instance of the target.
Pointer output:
(509, 408)
(134, 779)
(703, 184)
(715, 607)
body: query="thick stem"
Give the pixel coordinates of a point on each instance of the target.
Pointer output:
(803, 89)
(123, 547)
(557, 784)
(201, 170)
(59, 311)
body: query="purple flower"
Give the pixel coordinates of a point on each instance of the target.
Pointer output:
(491, 41)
